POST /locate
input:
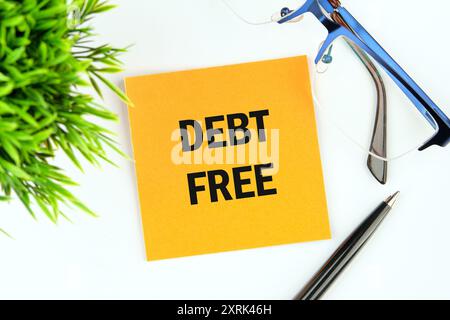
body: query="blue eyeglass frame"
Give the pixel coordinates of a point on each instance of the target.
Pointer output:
(432, 113)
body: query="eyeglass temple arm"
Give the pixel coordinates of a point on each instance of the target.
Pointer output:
(378, 145)
(434, 115)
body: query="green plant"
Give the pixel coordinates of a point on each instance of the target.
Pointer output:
(45, 57)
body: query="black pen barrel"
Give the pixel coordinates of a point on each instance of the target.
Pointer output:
(343, 255)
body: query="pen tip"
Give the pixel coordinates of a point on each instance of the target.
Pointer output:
(392, 199)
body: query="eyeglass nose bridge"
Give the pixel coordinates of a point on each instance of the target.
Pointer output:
(331, 37)
(314, 7)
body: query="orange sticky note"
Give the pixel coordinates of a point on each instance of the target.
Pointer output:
(227, 158)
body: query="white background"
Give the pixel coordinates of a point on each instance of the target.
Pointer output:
(104, 258)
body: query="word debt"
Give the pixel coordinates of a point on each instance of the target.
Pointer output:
(236, 124)
(218, 182)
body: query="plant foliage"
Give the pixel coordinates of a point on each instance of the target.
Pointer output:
(46, 55)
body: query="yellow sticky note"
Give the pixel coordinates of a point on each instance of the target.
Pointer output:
(227, 158)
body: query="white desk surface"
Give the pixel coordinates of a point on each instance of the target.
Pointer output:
(104, 258)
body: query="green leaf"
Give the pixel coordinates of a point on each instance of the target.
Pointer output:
(115, 89)
(12, 22)
(11, 151)
(27, 117)
(6, 88)
(14, 55)
(96, 87)
(51, 12)
(42, 135)
(43, 52)
(45, 209)
(15, 170)
(6, 234)
(84, 208)
(3, 78)
(6, 108)
(8, 126)
(110, 70)
(103, 8)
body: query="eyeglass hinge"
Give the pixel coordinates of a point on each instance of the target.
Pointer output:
(335, 3)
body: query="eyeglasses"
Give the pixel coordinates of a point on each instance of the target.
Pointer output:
(349, 62)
